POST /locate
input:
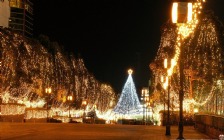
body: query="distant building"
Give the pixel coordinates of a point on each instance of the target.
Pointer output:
(5, 13)
(17, 15)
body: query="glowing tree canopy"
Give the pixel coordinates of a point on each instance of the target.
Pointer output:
(128, 102)
(203, 64)
(29, 66)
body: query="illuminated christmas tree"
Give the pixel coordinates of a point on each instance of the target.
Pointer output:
(128, 103)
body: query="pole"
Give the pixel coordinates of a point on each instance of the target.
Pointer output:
(216, 103)
(47, 108)
(69, 112)
(143, 117)
(168, 113)
(181, 96)
(164, 108)
(143, 106)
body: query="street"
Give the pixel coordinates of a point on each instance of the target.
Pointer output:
(72, 131)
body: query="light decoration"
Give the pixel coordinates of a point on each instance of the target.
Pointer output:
(109, 115)
(184, 30)
(174, 12)
(128, 103)
(28, 67)
(12, 109)
(203, 102)
(130, 71)
(36, 104)
(202, 49)
(37, 113)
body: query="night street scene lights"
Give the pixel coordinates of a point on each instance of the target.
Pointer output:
(48, 92)
(69, 98)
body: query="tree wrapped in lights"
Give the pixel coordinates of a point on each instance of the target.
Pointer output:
(29, 66)
(128, 103)
(203, 61)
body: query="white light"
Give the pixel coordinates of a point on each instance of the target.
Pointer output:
(173, 62)
(170, 72)
(189, 15)
(165, 63)
(174, 12)
(162, 79)
(196, 110)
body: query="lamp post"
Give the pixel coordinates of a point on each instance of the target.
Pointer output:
(48, 92)
(1, 85)
(181, 14)
(148, 108)
(166, 85)
(69, 98)
(84, 104)
(145, 97)
(143, 105)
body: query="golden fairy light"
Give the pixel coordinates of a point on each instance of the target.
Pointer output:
(200, 39)
(28, 68)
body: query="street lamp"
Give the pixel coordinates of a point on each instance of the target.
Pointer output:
(148, 108)
(1, 84)
(143, 105)
(84, 103)
(166, 85)
(69, 98)
(48, 92)
(145, 97)
(181, 14)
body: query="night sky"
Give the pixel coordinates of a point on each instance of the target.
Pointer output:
(110, 35)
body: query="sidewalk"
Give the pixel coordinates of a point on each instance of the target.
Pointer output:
(158, 133)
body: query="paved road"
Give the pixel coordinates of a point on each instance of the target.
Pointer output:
(66, 131)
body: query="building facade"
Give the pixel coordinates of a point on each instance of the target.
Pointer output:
(4, 13)
(17, 15)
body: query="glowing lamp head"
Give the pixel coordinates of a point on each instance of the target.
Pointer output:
(195, 110)
(182, 12)
(69, 98)
(84, 102)
(48, 90)
(130, 71)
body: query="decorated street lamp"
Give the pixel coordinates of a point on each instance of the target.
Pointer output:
(48, 92)
(182, 16)
(84, 104)
(0, 89)
(145, 97)
(166, 86)
(148, 108)
(182, 11)
(69, 98)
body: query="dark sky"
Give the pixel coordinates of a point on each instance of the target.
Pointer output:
(110, 35)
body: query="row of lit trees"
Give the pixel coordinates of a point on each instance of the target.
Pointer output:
(30, 66)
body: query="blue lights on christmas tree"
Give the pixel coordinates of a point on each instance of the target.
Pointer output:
(128, 103)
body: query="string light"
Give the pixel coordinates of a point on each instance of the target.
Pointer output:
(128, 103)
(202, 52)
(28, 68)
